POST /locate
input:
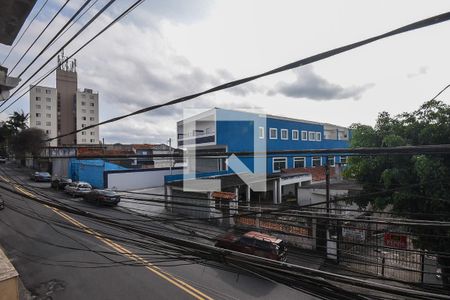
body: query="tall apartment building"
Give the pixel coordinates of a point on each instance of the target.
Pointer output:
(43, 111)
(87, 114)
(65, 108)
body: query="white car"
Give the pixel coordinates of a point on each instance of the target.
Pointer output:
(78, 188)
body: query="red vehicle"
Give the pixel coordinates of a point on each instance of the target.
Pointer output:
(255, 243)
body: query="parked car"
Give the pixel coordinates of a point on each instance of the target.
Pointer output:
(60, 183)
(2, 160)
(78, 188)
(41, 176)
(255, 243)
(107, 197)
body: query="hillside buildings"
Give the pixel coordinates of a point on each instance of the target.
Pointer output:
(65, 108)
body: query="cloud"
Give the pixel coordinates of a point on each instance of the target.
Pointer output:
(309, 84)
(422, 71)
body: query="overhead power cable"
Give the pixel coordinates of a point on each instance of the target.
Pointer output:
(127, 11)
(440, 92)
(56, 35)
(23, 32)
(413, 26)
(39, 35)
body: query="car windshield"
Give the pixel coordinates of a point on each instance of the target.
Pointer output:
(44, 174)
(84, 185)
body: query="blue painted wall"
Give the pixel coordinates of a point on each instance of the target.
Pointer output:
(91, 170)
(239, 132)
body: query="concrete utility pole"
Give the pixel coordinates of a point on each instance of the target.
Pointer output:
(170, 152)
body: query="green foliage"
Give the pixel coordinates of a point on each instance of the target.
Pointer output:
(30, 140)
(418, 184)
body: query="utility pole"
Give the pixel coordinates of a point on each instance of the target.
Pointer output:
(170, 152)
(327, 185)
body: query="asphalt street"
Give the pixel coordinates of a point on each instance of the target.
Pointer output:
(64, 256)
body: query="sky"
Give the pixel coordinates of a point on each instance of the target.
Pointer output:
(171, 48)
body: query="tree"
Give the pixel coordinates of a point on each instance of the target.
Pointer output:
(30, 140)
(418, 184)
(17, 122)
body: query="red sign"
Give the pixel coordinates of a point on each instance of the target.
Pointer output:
(395, 240)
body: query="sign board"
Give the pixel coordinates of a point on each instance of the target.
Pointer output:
(354, 234)
(395, 240)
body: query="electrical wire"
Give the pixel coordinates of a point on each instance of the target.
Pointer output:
(23, 32)
(126, 12)
(413, 26)
(39, 35)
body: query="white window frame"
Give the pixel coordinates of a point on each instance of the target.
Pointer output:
(284, 131)
(312, 161)
(318, 136)
(346, 160)
(295, 131)
(304, 132)
(261, 132)
(313, 133)
(334, 161)
(273, 163)
(300, 158)
(276, 133)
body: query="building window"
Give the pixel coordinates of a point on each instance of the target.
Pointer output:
(83, 103)
(48, 123)
(83, 133)
(38, 98)
(279, 163)
(83, 140)
(344, 160)
(83, 125)
(331, 161)
(93, 133)
(92, 104)
(93, 119)
(311, 136)
(318, 136)
(48, 91)
(304, 135)
(38, 123)
(83, 118)
(83, 96)
(92, 140)
(295, 135)
(91, 96)
(48, 131)
(273, 133)
(299, 162)
(316, 161)
(48, 115)
(48, 107)
(38, 115)
(38, 106)
(91, 111)
(284, 134)
(48, 99)
(83, 111)
(261, 132)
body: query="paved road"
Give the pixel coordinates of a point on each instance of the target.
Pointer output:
(70, 262)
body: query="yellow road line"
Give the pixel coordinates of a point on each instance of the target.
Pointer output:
(125, 252)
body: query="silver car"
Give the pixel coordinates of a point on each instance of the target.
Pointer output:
(78, 188)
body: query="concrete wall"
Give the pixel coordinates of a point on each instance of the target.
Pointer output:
(138, 179)
(9, 283)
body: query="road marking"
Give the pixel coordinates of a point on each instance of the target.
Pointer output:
(125, 252)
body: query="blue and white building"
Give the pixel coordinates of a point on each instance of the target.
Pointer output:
(221, 130)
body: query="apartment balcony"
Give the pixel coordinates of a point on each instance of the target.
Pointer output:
(197, 137)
